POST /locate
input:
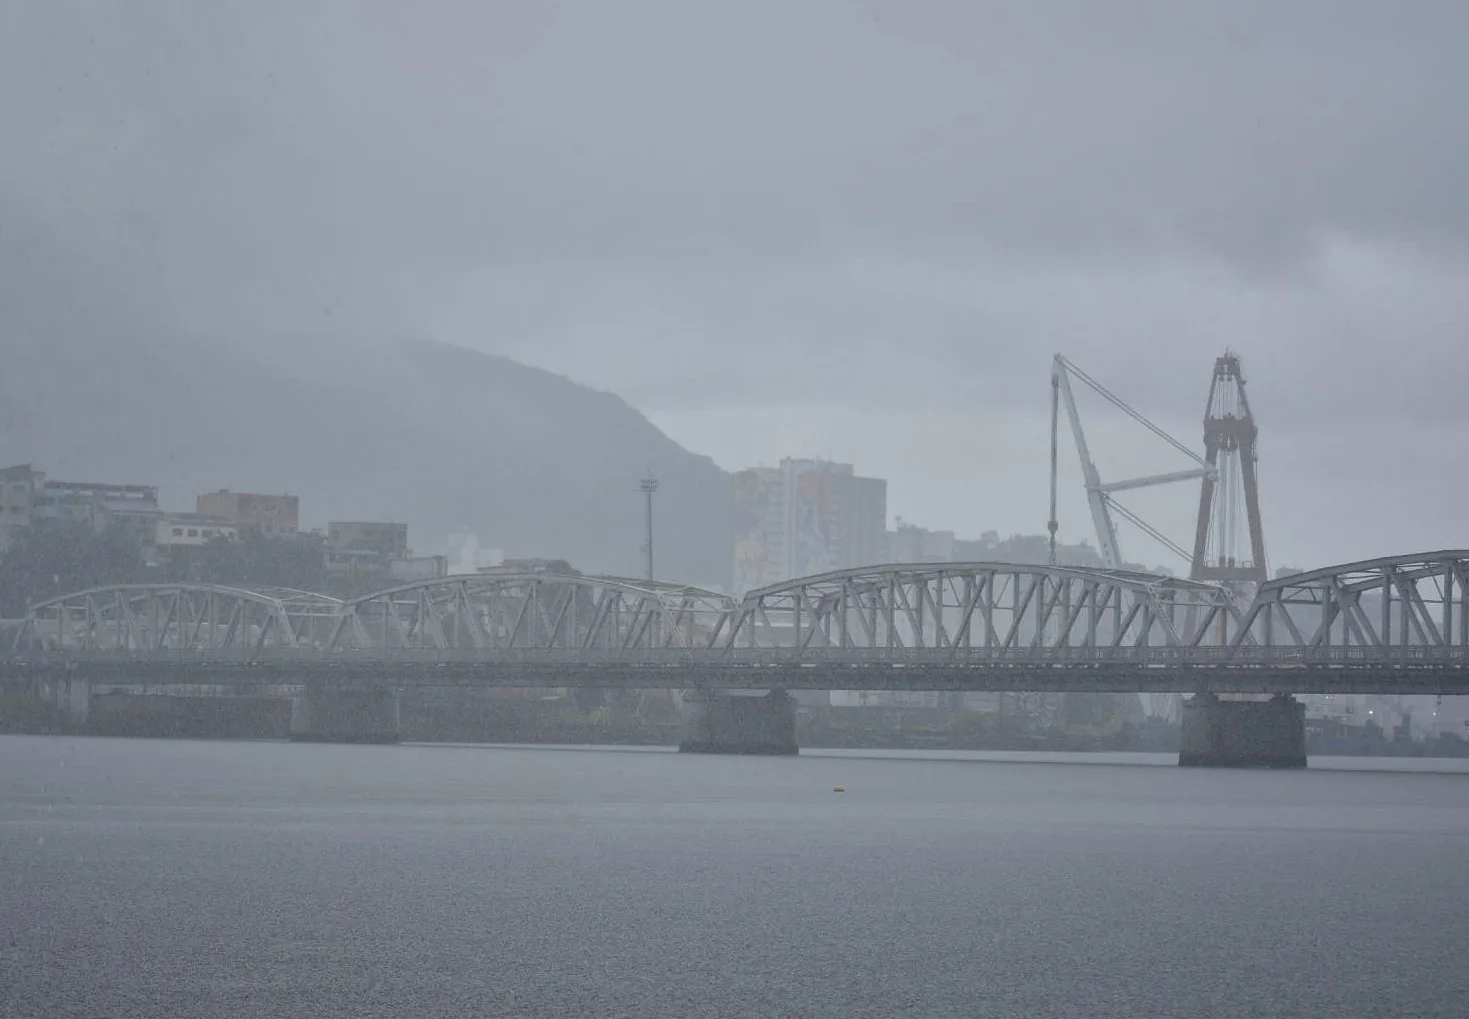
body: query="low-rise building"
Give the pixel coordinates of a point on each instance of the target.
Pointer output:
(97, 504)
(559, 566)
(389, 540)
(910, 544)
(365, 551)
(271, 515)
(427, 567)
(178, 530)
(27, 497)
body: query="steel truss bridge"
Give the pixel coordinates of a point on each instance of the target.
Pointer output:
(1391, 625)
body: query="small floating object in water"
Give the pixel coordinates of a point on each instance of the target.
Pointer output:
(840, 789)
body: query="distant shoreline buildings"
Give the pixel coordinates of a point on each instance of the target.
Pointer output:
(799, 518)
(810, 516)
(355, 555)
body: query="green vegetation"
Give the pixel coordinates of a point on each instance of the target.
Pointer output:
(60, 557)
(252, 561)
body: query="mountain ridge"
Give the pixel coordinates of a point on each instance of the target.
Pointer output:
(438, 436)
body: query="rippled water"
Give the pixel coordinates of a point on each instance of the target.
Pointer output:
(143, 878)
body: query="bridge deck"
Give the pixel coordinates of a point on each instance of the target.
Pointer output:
(1325, 673)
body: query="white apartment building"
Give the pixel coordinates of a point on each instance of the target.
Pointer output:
(190, 530)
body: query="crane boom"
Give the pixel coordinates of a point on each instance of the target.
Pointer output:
(1095, 497)
(1099, 494)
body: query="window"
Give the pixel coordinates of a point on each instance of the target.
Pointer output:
(178, 532)
(193, 532)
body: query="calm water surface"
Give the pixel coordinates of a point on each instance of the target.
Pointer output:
(142, 878)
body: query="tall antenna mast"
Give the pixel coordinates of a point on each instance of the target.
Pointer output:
(649, 485)
(1229, 447)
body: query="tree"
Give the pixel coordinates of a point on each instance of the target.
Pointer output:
(56, 557)
(252, 561)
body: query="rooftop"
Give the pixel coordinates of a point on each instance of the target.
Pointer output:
(149, 491)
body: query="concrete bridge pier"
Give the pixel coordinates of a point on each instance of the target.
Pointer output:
(71, 696)
(1243, 734)
(78, 703)
(351, 715)
(731, 723)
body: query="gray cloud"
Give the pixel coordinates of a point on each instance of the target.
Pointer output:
(851, 227)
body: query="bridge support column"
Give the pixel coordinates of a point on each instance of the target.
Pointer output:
(78, 704)
(1243, 734)
(72, 697)
(365, 715)
(723, 723)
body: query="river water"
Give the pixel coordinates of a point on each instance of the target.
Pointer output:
(214, 879)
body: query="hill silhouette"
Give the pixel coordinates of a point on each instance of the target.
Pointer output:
(438, 436)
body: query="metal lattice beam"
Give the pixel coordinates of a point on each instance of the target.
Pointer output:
(923, 623)
(176, 617)
(1417, 600)
(533, 611)
(970, 607)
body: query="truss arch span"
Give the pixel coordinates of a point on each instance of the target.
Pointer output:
(1420, 599)
(1001, 607)
(533, 611)
(176, 617)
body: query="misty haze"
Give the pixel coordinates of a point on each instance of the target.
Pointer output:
(837, 508)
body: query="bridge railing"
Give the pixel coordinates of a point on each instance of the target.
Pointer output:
(1037, 657)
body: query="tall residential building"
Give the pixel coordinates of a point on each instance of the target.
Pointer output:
(18, 487)
(805, 517)
(864, 520)
(271, 515)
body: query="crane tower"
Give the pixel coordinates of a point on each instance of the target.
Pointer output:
(1229, 500)
(1229, 540)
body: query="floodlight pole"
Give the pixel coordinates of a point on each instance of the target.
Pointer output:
(649, 485)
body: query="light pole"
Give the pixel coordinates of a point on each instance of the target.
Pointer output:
(649, 485)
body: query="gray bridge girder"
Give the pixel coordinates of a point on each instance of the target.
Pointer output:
(1119, 677)
(1398, 625)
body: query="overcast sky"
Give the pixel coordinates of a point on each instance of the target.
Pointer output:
(849, 228)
